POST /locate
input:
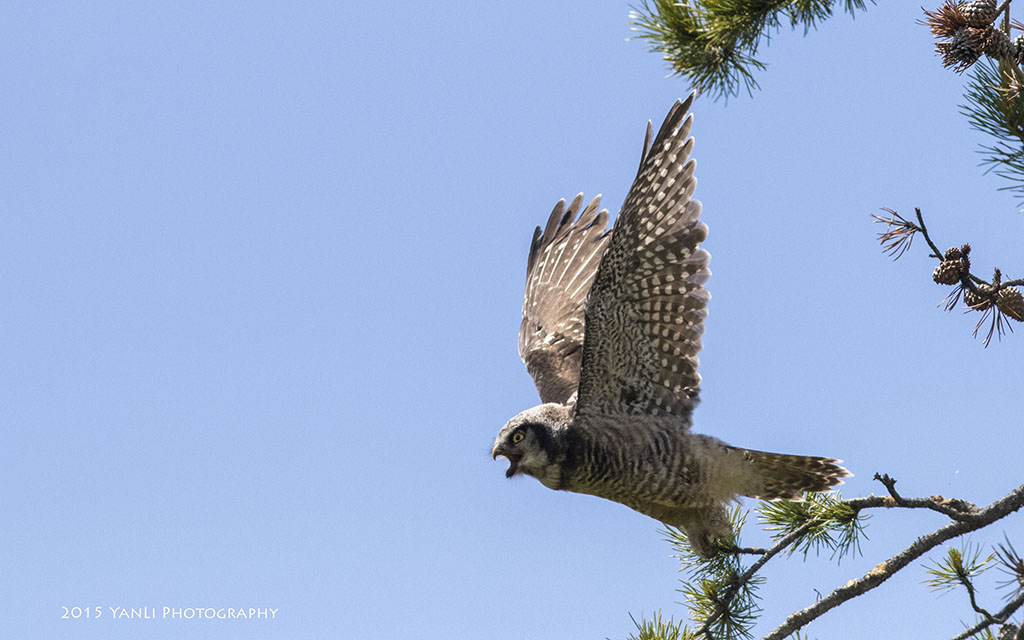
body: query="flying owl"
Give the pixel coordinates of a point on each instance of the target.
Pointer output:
(612, 324)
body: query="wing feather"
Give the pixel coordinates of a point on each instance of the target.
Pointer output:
(645, 310)
(563, 261)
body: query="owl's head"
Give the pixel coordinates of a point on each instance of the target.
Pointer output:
(533, 442)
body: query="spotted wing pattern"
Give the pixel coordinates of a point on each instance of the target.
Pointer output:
(562, 264)
(645, 311)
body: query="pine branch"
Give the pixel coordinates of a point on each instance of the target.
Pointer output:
(997, 300)
(713, 43)
(995, 107)
(1001, 508)
(721, 595)
(724, 601)
(965, 34)
(747, 575)
(959, 568)
(951, 507)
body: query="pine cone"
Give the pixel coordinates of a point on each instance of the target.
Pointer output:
(978, 13)
(963, 49)
(1018, 49)
(1011, 303)
(979, 301)
(997, 45)
(952, 253)
(948, 272)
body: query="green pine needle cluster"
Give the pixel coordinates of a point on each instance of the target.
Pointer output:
(711, 586)
(824, 520)
(703, 597)
(995, 106)
(721, 597)
(713, 43)
(658, 629)
(958, 567)
(682, 33)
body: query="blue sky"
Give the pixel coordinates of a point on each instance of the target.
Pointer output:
(262, 267)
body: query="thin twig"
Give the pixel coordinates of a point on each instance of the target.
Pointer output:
(924, 232)
(890, 485)
(1000, 508)
(754, 551)
(974, 601)
(969, 279)
(1002, 616)
(961, 513)
(956, 509)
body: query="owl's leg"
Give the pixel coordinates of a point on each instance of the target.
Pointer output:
(703, 526)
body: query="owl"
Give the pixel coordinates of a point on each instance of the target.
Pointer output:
(611, 331)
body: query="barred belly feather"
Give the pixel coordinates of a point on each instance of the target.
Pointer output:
(649, 461)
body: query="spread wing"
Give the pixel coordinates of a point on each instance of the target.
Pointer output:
(562, 264)
(645, 311)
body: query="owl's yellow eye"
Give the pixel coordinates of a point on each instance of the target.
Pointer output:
(517, 436)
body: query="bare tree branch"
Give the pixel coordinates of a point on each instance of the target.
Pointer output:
(952, 507)
(999, 509)
(924, 232)
(955, 509)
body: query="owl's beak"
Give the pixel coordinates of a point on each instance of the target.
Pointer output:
(513, 459)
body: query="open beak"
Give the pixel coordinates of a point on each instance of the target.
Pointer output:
(513, 459)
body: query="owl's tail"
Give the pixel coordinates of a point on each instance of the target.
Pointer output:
(780, 475)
